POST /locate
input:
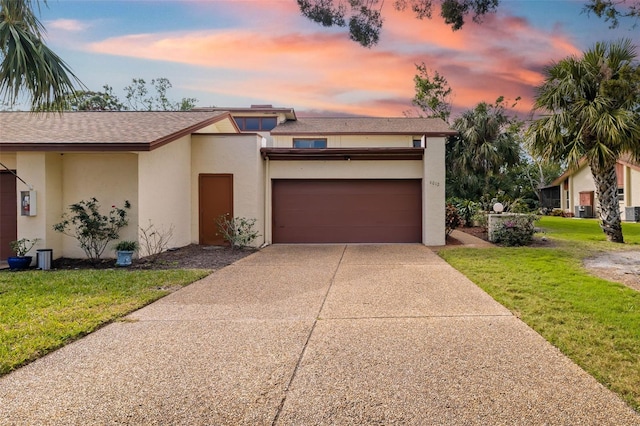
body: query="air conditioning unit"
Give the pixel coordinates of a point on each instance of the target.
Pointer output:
(584, 211)
(632, 214)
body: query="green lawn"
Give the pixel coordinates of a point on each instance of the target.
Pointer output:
(593, 321)
(43, 310)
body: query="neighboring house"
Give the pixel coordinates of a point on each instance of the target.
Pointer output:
(311, 180)
(576, 190)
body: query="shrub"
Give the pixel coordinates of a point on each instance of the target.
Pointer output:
(515, 231)
(482, 218)
(467, 209)
(126, 246)
(154, 241)
(92, 229)
(238, 231)
(452, 218)
(22, 246)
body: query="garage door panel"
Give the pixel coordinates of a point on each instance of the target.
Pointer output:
(326, 211)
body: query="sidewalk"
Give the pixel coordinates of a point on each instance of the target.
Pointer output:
(308, 335)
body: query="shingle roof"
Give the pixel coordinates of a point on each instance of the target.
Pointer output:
(365, 125)
(109, 130)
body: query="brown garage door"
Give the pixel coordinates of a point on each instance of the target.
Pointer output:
(8, 213)
(347, 211)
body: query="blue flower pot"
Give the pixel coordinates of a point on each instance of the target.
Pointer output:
(17, 263)
(124, 258)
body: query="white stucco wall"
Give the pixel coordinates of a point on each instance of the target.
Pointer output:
(433, 187)
(238, 155)
(164, 187)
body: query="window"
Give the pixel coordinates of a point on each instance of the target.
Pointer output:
(309, 143)
(620, 194)
(417, 143)
(254, 124)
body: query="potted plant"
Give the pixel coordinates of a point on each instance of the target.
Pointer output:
(125, 250)
(21, 247)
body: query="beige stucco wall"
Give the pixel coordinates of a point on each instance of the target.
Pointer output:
(222, 126)
(8, 159)
(351, 141)
(238, 155)
(31, 167)
(111, 179)
(164, 191)
(632, 189)
(581, 181)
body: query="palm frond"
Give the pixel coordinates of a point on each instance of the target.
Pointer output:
(28, 65)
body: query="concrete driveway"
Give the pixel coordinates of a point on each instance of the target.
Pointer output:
(309, 335)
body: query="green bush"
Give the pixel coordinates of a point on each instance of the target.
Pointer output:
(467, 209)
(515, 231)
(238, 231)
(92, 229)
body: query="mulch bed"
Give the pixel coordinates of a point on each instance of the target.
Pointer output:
(193, 256)
(476, 231)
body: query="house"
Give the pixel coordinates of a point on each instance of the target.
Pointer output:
(576, 190)
(319, 180)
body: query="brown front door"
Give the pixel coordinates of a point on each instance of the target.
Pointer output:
(8, 213)
(347, 211)
(215, 199)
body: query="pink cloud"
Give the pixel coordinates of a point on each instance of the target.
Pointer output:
(70, 25)
(303, 65)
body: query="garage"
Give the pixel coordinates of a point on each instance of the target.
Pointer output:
(347, 210)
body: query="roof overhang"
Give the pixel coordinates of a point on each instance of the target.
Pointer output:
(342, 154)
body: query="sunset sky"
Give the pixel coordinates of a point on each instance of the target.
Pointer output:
(243, 52)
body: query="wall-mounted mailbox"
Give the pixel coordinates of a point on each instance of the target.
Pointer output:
(27, 203)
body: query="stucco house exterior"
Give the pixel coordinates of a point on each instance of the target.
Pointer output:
(577, 195)
(318, 180)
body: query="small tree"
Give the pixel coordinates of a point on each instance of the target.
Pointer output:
(92, 229)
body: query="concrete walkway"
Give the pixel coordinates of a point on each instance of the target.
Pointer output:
(315, 335)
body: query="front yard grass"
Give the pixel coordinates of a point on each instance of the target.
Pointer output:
(594, 322)
(41, 311)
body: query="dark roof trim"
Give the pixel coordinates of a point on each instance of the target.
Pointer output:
(76, 147)
(319, 134)
(342, 154)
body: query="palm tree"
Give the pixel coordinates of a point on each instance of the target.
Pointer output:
(591, 112)
(487, 143)
(27, 65)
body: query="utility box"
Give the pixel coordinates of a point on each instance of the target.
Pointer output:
(27, 203)
(632, 214)
(584, 211)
